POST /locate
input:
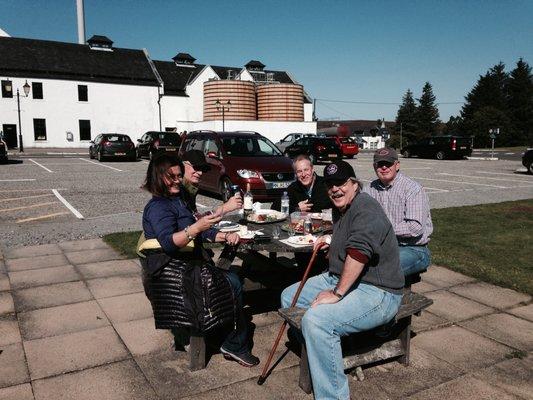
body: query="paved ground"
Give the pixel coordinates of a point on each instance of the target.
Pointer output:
(75, 324)
(46, 198)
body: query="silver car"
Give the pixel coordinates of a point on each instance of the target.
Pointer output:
(290, 139)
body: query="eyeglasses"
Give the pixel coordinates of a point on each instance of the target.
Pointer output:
(382, 164)
(330, 184)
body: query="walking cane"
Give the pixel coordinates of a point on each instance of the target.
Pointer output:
(262, 378)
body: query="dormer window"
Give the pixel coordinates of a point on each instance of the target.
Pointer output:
(184, 59)
(231, 74)
(98, 42)
(255, 66)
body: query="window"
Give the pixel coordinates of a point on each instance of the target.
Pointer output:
(39, 129)
(37, 90)
(85, 129)
(7, 89)
(82, 93)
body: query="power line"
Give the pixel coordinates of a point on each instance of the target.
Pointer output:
(380, 102)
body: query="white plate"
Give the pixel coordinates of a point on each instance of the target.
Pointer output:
(307, 240)
(316, 215)
(228, 226)
(249, 235)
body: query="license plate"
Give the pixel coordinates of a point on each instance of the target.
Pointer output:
(170, 149)
(120, 154)
(280, 185)
(332, 155)
(463, 147)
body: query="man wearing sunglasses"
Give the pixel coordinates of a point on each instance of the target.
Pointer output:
(407, 205)
(195, 165)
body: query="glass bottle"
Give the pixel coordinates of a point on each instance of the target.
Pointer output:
(248, 201)
(285, 203)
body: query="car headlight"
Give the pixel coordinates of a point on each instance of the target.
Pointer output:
(247, 174)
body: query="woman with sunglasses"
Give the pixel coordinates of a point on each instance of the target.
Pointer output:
(362, 288)
(168, 218)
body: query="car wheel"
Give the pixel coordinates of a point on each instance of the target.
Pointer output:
(530, 168)
(225, 189)
(350, 156)
(99, 156)
(406, 154)
(440, 155)
(91, 154)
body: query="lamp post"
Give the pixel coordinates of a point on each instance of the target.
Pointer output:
(223, 108)
(26, 88)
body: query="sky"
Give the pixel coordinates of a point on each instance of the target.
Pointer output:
(357, 58)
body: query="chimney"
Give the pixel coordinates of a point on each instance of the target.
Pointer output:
(81, 22)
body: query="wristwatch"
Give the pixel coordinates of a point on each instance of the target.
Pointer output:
(336, 293)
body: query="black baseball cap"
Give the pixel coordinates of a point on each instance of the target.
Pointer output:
(385, 154)
(338, 172)
(197, 160)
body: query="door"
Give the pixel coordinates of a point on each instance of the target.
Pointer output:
(10, 135)
(211, 178)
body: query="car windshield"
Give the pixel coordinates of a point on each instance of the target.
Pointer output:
(118, 138)
(253, 146)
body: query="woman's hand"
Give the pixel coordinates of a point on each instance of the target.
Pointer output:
(232, 238)
(323, 242)
(234, 203)
(206, 222)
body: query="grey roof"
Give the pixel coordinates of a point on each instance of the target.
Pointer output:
(59, 60)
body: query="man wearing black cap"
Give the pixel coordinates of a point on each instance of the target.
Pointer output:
(195, 165)
(407, 205)
(362, 288)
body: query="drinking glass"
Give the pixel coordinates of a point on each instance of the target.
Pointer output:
(276, 232)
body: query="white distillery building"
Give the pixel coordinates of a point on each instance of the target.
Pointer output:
(74, 92)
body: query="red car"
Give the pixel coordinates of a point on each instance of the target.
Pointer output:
(348, 146)
(238, 158)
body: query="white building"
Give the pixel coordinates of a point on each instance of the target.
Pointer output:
(78, 91)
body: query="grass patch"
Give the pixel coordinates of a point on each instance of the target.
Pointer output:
(490, 242)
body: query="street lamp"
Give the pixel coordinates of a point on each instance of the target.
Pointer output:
(223, 108)
(26, 88)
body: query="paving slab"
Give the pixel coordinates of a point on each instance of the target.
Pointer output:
(455, 308)
(525, 312)
(50, 296)
(45, 276)
(505, 328)
(6, 303)
(9, 330)
(118, 381)
(514, 376)
(141, 337)
(460, 347)
(424, 287)
(80, 245)
(427, 321)
(4, 282)
(115, 286)
(3, 268)
(32, 251)
(21, 264)
(129, 307)
(75, 351)
(464, 388)
(424, 371)
(109, 268)
(443, 277)
(13, 370)
(95, 255)
(17, 392)
(491, 295)
(267, 318)
(61, 320)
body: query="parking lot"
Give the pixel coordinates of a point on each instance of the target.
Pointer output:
(49, 199)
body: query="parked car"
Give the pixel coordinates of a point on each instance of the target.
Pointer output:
(527, 160)
(3, 150)
(107, 145)
(440, 147)
(153, 143)
(238, 158)
(290, 139)
(348, 146)
(318, 148)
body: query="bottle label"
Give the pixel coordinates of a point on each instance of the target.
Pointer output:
(248, 202)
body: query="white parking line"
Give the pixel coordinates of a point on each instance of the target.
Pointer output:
(25, 207)
(102, 165)
(410, 169)
(498, 173)
(28, 190)
(20, 221)
(463, 183)
(509, 154)
(67, 204)
(484, 177)
(27, 197)
(16, 180)
(40, 165)
(112, 215)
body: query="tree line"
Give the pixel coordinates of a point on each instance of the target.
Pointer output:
(499, 99)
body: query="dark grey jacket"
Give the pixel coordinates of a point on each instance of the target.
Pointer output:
(365, 227)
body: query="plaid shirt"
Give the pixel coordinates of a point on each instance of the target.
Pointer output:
(407, 205)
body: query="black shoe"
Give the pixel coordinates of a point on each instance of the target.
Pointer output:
(245, 359)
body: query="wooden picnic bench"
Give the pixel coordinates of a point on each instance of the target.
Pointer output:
(383, 343)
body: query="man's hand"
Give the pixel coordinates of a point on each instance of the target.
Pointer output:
(234, 203)
(232, 238)
(304, 205)
(322, 239)
(325, 297)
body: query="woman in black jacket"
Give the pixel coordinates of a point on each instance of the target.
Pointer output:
(180, 234)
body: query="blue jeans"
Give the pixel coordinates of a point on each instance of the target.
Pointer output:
(236, 340)
(364, 307)
(414, 259)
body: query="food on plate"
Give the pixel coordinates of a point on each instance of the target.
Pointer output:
(299, 226)
(264, 217)
(306, 239)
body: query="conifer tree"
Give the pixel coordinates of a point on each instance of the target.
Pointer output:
(520, 93)
(406, 116)
(427, 113)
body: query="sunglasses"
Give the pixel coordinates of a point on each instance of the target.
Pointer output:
(382, 164)
(204, 168)
(174, 177)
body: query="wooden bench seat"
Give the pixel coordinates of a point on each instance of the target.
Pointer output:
(383, 343)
